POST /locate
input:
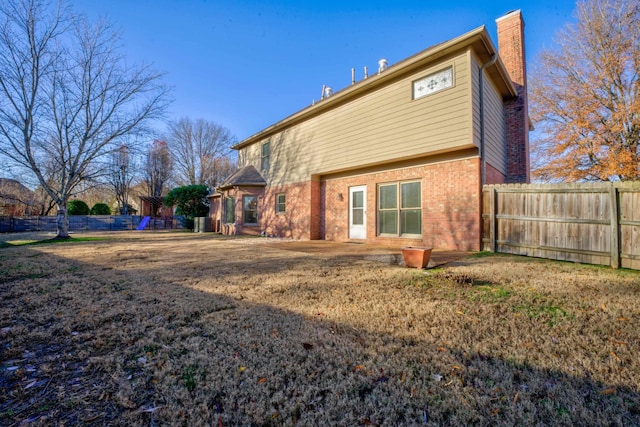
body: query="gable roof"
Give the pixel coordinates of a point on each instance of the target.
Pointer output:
(248, 176)
(479, 39)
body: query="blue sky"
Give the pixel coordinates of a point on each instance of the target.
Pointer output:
(247, 64)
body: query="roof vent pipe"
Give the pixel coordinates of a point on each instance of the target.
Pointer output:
(353, 76)
(383, 64)
(328, 91)
(366, 73)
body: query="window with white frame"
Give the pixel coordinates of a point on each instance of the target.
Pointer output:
(400, 209)
(250, 209)
(281, 203)
(265, 156)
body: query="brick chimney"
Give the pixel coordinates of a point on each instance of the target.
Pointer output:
(512, 53)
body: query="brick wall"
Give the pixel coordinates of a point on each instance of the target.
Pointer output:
(512, 53)
(296, 221)
(301, 219)
(494, 176)
(450, 204)
(215, 213)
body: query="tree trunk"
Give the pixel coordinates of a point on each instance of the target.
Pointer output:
(63, 223)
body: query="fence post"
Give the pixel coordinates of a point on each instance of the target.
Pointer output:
(615, 229)
(492, 219)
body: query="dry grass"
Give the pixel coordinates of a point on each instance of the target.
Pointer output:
(184, 329)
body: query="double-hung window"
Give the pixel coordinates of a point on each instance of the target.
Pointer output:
(265, 156)
(281, 203)
(250, 209)
(400, 209)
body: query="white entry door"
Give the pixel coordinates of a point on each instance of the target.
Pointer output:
(357, 212)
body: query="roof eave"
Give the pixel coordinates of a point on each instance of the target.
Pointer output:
(478, 38)
(248, 184)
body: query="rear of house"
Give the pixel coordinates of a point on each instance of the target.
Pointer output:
(396, 158)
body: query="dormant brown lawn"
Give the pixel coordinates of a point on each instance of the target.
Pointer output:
(189, 329)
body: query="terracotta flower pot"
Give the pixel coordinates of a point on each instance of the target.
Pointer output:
(416, 256)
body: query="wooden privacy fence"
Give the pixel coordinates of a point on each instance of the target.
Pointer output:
(594, 223)
(16, 224)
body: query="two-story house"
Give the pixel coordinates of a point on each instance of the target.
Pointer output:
(399, 157)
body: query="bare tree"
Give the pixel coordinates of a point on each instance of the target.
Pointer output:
(67, 94)
(120, 177)
(43, 202)
(223, 167)
(157, 168)
(585, 97)
(199, 148)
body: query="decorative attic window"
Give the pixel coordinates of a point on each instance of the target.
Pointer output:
(433, 83)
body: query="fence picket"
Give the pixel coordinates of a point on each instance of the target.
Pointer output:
(596, 223)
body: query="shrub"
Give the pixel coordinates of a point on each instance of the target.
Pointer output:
(100, 209)
(78, 207)
(191, 201)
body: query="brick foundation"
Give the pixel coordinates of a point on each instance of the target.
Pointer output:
(450, 205)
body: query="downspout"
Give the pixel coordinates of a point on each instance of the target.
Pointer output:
(235, 210)
(483, 162)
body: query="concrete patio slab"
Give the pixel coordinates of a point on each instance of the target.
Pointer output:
(380, 253)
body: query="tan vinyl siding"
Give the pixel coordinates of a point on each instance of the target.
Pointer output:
(494, 120)
(383, 125)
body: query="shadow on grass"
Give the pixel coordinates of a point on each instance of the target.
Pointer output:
(87, 344)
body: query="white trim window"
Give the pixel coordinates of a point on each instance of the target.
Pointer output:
(250, 210)
(281, 203)
(400, 209)
(265, 156)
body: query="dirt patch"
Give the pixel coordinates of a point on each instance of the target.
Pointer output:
(187, 329)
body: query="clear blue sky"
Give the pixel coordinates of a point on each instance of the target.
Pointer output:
(247, 64)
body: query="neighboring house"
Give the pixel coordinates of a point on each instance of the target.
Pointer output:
(397, 158)
(154, 207)
(16, 199)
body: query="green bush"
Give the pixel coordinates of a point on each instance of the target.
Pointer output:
(78, 207)
(100, 209)
(191, 201)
